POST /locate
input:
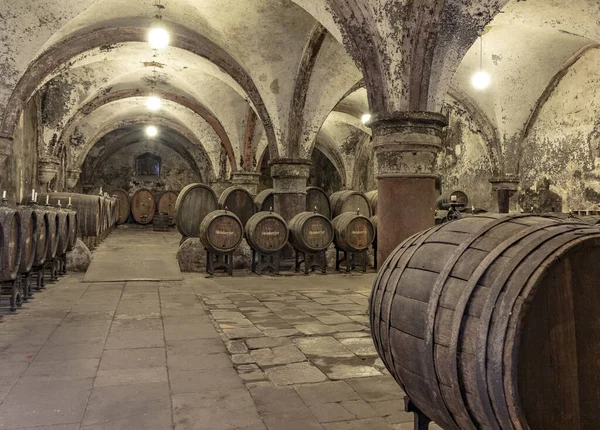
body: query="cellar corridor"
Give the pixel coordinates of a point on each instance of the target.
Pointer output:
(248, 352)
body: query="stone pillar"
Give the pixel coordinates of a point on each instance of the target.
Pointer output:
(406, 147)
(219, 185)
(6, 144)
(248, 180)
(289, 184)
(505, 187)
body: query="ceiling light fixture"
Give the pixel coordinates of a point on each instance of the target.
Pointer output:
(366, 118)
(158, 38)
(154, 103)
(481, 80)
(151, 131)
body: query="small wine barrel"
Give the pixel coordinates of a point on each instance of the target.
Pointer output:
(88, 207)
(239, 201)
(373, 198)
(124, 205)
(349, 201)
(10, 253)
(161, 222)
(193, 204)
(445, 200)
(491, 322)
(267, 232)
(143, 206)
(29, 237)
(316, 199)
(221, 231)
(353, 232)
(166, 204)
(53, 232)
(310, 232)
(264, 200)
(43, 238)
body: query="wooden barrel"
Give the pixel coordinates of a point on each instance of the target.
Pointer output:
(53, 232)
(239, 201)
(143, 206)
(64, 229)
(267, 232)
(373, 198)
(265, 201)
(221, 231)
(161, 222)
(445, 200)
(491, 322)
(166, 204)
(349, 201)
(88, 207)
(43, 237)
(310, 232)
(10, 246)
(73, 228)
(124, 205)
(29, 237)
(353, 232)
(316, 198)
(193, 204)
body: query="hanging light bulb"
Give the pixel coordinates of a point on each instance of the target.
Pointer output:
(153, 103)
(151, 131)
(158, 38)
(481, 79)
(366, 118)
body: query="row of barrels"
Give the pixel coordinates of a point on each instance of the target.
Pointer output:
(222, 232)
(143, 205)
(33, 239)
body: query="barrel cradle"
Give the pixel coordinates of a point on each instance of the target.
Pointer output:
(124, 205)
(143, 206)
(491, 322)
(317, 199)
(349, 201)
(194, 202)
(238, 200)
(265, 200)
(267, 232)
(221, 232)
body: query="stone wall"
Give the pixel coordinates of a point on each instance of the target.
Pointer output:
(323, 173)
(562, 146)
(118, 171)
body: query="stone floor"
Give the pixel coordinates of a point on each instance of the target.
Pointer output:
(248, 352)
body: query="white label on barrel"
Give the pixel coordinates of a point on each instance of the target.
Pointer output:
(224, 233)
(355, 232)
(270, 233)
(315, 232)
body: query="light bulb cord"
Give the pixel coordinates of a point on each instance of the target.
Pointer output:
(481, 53)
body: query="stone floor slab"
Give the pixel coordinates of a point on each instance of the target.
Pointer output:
(297, 373)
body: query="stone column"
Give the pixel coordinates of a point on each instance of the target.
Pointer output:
(505, 187)
(406, 147)
(6, 144)
(248, 180)
(289, 184)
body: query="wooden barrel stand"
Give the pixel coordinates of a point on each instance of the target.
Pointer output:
(221, 233)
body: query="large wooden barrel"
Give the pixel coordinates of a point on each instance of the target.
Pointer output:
(53, 232)
(373, 199)
(64, 229)
(88, 207)
(353, 232)
(124, 205)
(239, 201)
(349, 201)
(193, 204)
(143, 206)
(445, 201)
(267, 232)
(10, 245)
(491, 322)
(43, 236)
(73, 228)
(265, 200)
(166, 204)
(310, 232)
(316, 199)
(221, 231)
(29, 237)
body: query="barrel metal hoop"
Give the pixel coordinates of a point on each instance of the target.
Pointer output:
(461, 306)
(435, 299)
(563, 236)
